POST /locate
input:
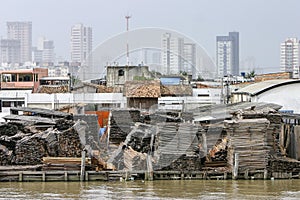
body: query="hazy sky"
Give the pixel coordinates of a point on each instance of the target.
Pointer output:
(262, 24)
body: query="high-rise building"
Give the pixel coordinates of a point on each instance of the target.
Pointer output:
(21, 31)
(172, 54)
(228, 54)
(81, 44)
(190, 58)
(44, 52)
(10, 51)
(289, 56)
(48, 51)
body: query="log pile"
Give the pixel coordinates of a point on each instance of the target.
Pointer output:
(248, 138)
(121, 122)
(283, 164)
(184, 162)
(26, 145)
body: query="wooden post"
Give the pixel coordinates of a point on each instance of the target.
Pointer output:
(66, 176)
(225, 175)
(20, 177)
(44, 176)
(82, 171)
(236, 166)
(149, 168)
(246, 176)
(265, 174)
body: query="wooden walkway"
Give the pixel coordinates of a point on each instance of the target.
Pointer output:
(45, 176)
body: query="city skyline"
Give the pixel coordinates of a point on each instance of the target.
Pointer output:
(263, 25)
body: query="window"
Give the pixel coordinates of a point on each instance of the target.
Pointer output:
(203, 95)
(121, 72)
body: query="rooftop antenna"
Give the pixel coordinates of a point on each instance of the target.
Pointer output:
(127, 17)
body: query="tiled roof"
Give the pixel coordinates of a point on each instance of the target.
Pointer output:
(143, 89)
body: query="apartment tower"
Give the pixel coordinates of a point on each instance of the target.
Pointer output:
(289, 56)
(81, 44)
(228, 54)
(21, 31)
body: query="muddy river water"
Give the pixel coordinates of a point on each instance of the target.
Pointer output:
(177, 189)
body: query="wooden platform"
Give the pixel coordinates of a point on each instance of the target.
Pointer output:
(47, 176)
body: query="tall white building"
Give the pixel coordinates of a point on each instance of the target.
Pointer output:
(228, 54)
(21, 31)
(172, 54)
(81, 44)
(289, 56)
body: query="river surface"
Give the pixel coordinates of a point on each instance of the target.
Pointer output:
(188, 189)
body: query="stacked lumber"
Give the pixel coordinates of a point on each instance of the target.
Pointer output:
(183, 162)
(140, 138)
(175, 144)
(63, 163)
(131, 154)
(208, 136)
(283, 164)
(134, 160)
(248, 138)
(187, 138)
(274, 128)
(121, 122)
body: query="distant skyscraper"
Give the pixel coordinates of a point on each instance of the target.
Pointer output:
(81, 43)
(44, 52)
(48, 51)
(10, 51)
(228, 54)
(21, 31)
(172, 54)
(289, 56)
(190, 58)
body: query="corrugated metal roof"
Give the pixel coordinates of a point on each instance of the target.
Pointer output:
(223, 111)
(41, 111)
(260, 87)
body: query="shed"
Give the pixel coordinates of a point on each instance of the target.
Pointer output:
(142, 94)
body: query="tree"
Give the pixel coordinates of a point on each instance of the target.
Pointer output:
(251, 74)
(200, 78)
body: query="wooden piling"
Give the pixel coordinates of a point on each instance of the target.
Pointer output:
(236, 166)
(82, 171)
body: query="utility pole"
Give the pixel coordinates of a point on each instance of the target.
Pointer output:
(127, 17)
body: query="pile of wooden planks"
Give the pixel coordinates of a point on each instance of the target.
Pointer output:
(175, 144)
(63, 163)
(131, 154)
(121, 122)
(248, 138)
